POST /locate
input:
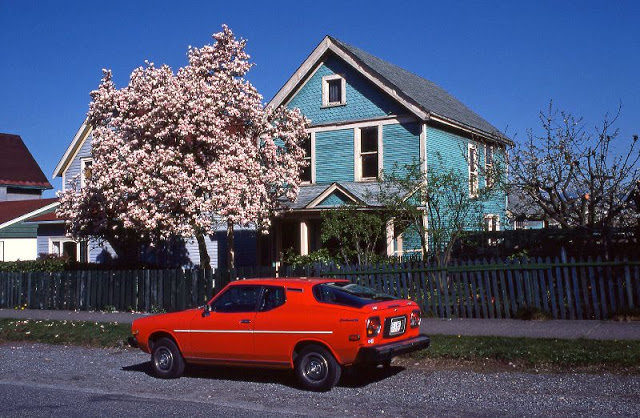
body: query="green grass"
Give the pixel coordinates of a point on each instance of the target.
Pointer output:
(485, 352)
(532, 353)
(83, 333)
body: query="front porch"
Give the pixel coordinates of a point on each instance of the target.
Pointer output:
(299, 228)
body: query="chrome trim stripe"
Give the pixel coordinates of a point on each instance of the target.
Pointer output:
(248, 331)
(215, 331)
(292, 332)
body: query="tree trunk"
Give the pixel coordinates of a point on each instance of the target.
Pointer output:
(205, 260)
(231, 255)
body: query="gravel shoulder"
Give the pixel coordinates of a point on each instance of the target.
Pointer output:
(56, 378)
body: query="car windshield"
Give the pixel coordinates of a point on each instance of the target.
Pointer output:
(348, 294)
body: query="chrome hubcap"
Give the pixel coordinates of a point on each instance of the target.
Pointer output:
(316, 368)
(163, 359)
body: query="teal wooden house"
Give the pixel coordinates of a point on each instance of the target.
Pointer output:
(368, 115)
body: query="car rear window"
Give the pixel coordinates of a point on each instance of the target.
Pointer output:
(348, 294)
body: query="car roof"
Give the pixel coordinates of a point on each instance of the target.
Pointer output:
(297, 281)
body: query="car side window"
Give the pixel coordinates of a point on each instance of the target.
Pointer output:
(238, 299)
(272, 297)
(325, 293)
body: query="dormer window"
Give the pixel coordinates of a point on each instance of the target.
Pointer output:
(333, 90)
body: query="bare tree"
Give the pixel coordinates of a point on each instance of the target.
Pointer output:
(576, 177)
(440, 205)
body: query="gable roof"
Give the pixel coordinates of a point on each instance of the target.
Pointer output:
(422, 97)
(76, 143)
(12, 212)
(363, 193)
(17, 165)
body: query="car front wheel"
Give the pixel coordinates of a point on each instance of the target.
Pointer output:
(317, 369)
(166, 360)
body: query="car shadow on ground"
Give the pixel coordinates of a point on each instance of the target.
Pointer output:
(351, 377)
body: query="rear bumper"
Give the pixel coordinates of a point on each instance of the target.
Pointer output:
(388, 351)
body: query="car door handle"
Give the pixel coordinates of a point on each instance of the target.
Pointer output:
(245, 321)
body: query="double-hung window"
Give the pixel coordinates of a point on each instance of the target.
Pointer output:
(305, 174)
(368, 153)
(473, 170)
(488, 165)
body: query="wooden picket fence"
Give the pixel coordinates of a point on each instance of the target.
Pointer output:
(585, 289)
(122, 290)
(565, 289)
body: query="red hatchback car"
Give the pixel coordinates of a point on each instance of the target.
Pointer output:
(313, 326)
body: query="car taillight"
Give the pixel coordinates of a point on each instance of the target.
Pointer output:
(415, 319)
(373, 326)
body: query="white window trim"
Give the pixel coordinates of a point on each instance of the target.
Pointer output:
(487, 220)
(312, 160)
(357, 160)
(62, 240)
(489, 216)
(83, 163)
(1, 250)
(488, 167)
(325, 90)
(473, 169)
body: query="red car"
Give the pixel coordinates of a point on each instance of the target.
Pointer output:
(313, 326)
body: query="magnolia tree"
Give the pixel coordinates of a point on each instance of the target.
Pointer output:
(175, 154)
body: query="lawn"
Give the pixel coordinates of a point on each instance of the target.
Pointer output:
(478, 353)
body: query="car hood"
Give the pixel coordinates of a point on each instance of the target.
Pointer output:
(166, 319)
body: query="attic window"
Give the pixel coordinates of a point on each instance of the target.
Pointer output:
(86, 170)
(333, 90)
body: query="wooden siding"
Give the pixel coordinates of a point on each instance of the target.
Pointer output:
(19, 230)
(401, 145)
(73, 170)
(452, 150)
(334, 156)
(336, 198)
(363, 99)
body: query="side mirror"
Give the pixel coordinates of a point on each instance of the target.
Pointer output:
(206, 311)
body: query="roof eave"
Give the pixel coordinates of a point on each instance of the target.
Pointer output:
(72, 149)
(493, 136)
(31, 214)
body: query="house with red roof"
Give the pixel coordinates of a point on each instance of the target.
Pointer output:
(22, 183)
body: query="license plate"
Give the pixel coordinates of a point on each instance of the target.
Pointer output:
(396, 326)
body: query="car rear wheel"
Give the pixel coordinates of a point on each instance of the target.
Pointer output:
(317, 369)
(166, 360)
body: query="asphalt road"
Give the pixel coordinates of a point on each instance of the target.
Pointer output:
(46, 380)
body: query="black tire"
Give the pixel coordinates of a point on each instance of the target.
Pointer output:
(166, 359)
(317, 369)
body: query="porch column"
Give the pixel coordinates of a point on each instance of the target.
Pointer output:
(304, 238)
(390, 250)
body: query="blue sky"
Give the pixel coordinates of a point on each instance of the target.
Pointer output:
(503, 59)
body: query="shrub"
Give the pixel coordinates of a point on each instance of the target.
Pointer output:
(531, 313)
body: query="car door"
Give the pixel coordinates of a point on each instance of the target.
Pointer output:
(275, 329)
(226, 332)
